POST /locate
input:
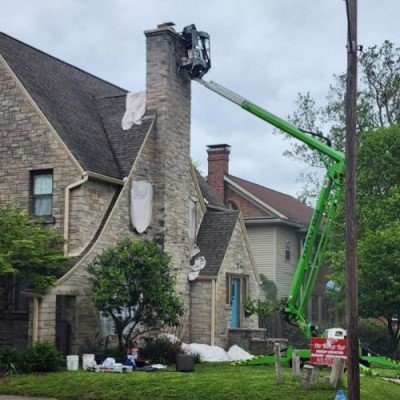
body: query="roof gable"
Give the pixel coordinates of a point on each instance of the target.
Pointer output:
(207, 193)
(213, 239)
(284, 205)
(77, 105)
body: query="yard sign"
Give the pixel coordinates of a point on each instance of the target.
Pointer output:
(323, 350)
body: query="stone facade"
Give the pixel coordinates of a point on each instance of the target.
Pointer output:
(237, 263)
(99, 213)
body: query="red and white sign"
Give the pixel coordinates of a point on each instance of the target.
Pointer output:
(323, 350)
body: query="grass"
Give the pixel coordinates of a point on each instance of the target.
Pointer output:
(210, 381)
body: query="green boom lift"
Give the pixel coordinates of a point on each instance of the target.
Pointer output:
(197, 63)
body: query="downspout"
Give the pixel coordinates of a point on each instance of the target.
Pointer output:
(35, 322)
(213, 303)
(66, 209)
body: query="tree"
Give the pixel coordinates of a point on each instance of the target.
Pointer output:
(30, 254)
(378, 199)
(378, 105)
(132, 283)
(264, 308)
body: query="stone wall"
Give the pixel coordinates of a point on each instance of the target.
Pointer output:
(87, 333)
(201, 292)
(28, 144)
(88, 205)
(200, 311)
(168, 92)
(237, 255)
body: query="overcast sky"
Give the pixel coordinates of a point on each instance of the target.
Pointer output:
(265, 50)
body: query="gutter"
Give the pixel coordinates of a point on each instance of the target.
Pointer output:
(66, 208)
(262, 220)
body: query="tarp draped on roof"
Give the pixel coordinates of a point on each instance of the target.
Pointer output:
(85, 111)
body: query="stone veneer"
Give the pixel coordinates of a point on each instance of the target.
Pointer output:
(168, 92)
(28, 144)
(201, 290)
(164, 160)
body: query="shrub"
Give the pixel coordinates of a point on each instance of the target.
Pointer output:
(10, 360)
(41, 357)
(161, 351)
(374, 336)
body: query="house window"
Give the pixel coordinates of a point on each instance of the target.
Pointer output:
(20, 303)
(41, 192)
(288, 250)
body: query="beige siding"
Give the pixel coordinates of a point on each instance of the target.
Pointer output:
(285, 269)
(263, 246)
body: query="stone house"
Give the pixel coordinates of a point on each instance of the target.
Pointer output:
(66, 160)
(276, 225)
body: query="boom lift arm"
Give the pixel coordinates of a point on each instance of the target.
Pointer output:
(197, 63)
(318, 231)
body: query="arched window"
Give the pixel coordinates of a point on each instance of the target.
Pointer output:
(232, 205)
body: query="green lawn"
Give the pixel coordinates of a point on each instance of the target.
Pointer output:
(210, 382)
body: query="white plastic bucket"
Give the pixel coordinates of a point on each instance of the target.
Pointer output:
(72, 363)
(87, 359)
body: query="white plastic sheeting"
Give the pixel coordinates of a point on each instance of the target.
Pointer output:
(135, 109)
(206, 352)
(238, 354)
(141, 204)
(198, 264)
(211, 353)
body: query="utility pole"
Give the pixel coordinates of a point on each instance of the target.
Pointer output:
(350, 198)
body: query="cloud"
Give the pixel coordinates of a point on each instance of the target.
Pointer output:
(267, 51)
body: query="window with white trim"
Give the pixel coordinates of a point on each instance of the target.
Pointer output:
(41, 192)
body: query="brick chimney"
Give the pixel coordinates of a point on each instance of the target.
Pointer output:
(218, 166)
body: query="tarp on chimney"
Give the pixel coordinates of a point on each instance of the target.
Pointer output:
(134, 110)
(141, 204)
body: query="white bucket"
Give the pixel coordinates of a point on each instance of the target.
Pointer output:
(87, 359)
(72, 363)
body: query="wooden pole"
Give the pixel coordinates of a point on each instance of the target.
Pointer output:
(278, 366)
(350, 199)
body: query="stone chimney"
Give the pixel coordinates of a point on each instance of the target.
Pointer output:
(168, 93)
(218, 166)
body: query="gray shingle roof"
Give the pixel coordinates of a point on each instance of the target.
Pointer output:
(213, 239)
(78, 105)
(207, 193)
(125, 144)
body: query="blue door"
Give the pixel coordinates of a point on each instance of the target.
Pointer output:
(235, 302)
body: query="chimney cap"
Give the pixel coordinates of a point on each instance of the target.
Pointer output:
(166, 24)
(218, 146)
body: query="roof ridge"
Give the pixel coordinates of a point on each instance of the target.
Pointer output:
(264, 187)
(62, 61)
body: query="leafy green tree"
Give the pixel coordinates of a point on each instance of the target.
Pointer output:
(378, 201)
(133, 284)
(264, 308)
(378, 105)
(29, 254)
